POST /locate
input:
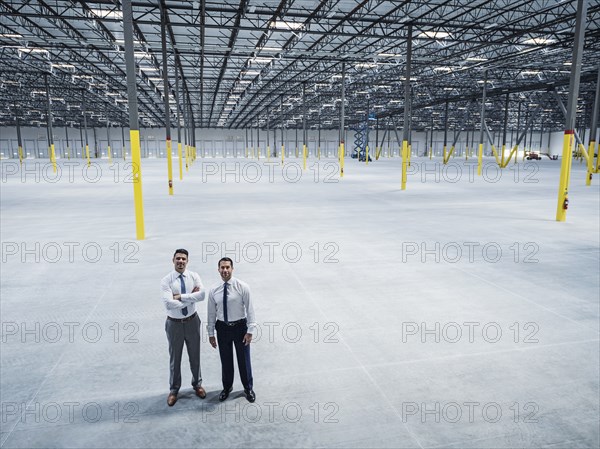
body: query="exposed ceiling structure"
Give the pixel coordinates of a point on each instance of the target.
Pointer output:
(246, 63)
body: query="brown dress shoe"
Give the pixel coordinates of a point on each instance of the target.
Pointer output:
(200, 392)
(172, 399)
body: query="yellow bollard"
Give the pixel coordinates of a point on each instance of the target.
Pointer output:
(136, 169)
(180, 161)
(304, 156)
(404, 162)
(565, 174)
(479, 159)
(53, 158)
(169, 167)
(282, 153)
(87, 154)
(268, 152)
(319, 153)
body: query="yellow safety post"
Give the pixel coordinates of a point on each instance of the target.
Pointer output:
(404, 162)
(495, 153)
(136, 167)
(87, 154)
(187, 158)
(319, 152)
(565, 175)
(170, 166)
(430, 153)
(21, 154)
(450, 153)
(296, 151)
(304, 156)
(479, 159)
(502, 155)
(258, 152)
(180, 161)
(53, 158)
(342, 159)
(109, 154)
(68, 153)
(514, 152)
(268, 152)
(282, 153)
(444, 159)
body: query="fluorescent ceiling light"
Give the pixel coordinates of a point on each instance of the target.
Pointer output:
(140, 54)
(251, 72)
(11, 35)
(476, 59)
(530, 72)
(32, 50)
(435, 34)
(260, 60)
(275, 49)
(442, 69)
(366, 64)
(539, 41)
(285, 25)
(107, 14)
(64, 66)
(389, 55)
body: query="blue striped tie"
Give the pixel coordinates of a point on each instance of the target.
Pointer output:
(184, 310)
(225, 302)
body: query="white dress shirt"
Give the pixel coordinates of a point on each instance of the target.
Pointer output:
(239, 305)
(171, 284)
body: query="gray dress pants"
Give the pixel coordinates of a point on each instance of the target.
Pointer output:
(177, 333)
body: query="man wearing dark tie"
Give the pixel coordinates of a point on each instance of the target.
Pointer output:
(231, 314)
(183, 324)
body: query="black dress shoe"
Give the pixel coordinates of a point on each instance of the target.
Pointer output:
(225, 394)
(250, 395)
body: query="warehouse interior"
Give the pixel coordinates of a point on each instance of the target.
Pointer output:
(410, 188)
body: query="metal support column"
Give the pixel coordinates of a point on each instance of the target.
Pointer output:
(480, 153)
(179, 154)
(505, 127)
(134, 131)
(565, 170)
(407, 100)
(87, 144)
(108, 137)
(165, 70)
(304, 142)
(67, 137)
(593, 145)
(341, 149)
(49, 125)
(19, 140)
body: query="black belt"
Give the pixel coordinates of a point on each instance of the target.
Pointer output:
(233, 323)
(183, 320)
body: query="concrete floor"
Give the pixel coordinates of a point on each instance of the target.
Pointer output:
(457, 313)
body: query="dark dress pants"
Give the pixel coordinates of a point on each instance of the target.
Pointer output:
(227, 337)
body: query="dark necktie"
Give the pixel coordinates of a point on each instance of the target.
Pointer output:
(184, 310)
(225, 302)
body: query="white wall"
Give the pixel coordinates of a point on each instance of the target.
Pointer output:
(229, 143)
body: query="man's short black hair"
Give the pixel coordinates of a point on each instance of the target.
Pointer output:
(225, 259)
(181, 251)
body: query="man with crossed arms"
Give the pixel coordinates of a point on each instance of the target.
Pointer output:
(183, 323)
(231, 314)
